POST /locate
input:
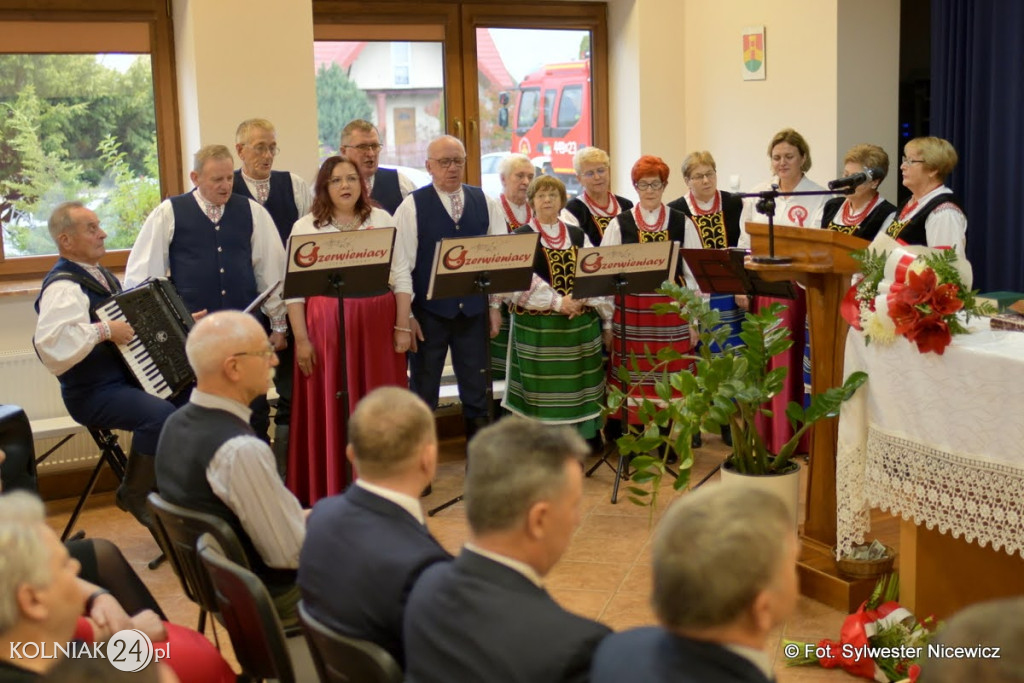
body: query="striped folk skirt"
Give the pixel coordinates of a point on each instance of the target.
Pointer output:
(732, 316)
(499, 348)
(555, 369)
(647, 331)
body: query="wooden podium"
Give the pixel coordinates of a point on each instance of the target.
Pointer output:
(823, 265)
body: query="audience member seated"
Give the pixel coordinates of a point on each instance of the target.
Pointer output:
(97, 388)
(997, 625)
(365, 549)
(89, 670)
(44, 602)
(486, 616)
(209, 458)
(724, 577)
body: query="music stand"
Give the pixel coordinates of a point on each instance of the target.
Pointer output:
(621, 270)
(485, 265)
(345, 265)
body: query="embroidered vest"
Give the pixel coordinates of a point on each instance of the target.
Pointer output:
(593, 225)
(913, 231)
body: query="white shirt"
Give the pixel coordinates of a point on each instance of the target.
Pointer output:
(946, 225)
(407, 503)
(691, 238)
(65, 334)
(803, 212)
(302, 191)
(407, 239)
(150, 255)
(378, 218)
(243, 474)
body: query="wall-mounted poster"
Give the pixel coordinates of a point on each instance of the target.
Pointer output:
(753, 54)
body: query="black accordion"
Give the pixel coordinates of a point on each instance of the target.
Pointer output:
(156, 355)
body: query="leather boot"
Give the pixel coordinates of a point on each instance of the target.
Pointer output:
(139, 480)
(474, 425)
(280, 448)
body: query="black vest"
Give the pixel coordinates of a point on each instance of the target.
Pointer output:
(868, 227)
(103, 363)
(188, 442)
(433, 222)
(211, 265)
(578, 208)
(386, 189)
(280, 202)
(732, 209)
(913, 231)
(631, 233)
(542, 263)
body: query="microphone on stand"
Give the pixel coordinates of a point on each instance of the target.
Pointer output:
(868, 174)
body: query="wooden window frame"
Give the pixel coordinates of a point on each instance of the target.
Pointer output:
(157, 15)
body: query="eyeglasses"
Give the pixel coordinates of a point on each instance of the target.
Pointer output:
(907, 161)
(596, 172)
(372, 147)
(262, 150)
(653, 185)
(448, 162)
(266, 354)
(697, 177)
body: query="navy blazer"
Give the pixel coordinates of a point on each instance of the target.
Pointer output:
(478, 620)
(360, 559)
(654, 655)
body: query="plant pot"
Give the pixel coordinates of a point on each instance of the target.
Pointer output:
(785, 485)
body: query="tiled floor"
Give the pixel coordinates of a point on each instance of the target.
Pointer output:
(605, 574)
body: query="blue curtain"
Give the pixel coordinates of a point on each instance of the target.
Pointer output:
(977, 103)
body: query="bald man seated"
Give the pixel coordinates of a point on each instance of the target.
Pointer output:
(365, 549)
(209, 458)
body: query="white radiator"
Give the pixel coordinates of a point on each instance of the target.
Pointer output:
(25, 382)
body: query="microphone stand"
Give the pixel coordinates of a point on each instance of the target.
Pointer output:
(766, 205)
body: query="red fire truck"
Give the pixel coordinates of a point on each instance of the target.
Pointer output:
(551, 117)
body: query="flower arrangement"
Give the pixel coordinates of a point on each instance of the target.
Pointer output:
(881, 641)
(913, 292)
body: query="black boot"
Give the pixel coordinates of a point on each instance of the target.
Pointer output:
(727, 436)
(139, 480)
(474, 425)
(280, 448)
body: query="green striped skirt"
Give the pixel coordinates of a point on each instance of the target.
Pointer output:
(555, 369)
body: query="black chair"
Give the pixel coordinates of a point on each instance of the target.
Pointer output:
(248, 614)
(177, 530)
(340, 659)
(18, 471)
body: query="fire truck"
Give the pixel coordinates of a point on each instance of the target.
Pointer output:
(551, 117)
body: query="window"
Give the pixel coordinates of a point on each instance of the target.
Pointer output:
(529, 108)
(86, 112)
(400, 62)
(571, 106)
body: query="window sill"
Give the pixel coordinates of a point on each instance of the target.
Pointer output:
(29, 286)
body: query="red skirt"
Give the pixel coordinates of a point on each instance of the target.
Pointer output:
(775, 430)
(316, 449)
(647, 331)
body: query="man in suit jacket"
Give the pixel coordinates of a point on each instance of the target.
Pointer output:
(366, 548)
(724, 577)
(486, 616)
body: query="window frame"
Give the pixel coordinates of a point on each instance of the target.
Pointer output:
(156, 15)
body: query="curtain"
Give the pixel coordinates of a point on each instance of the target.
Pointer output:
(977, 103)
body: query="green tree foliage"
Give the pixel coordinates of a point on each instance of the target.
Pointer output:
(338, 100)
(56, 111)
(130, 199)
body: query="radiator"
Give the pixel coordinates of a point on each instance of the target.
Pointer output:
(25, 382)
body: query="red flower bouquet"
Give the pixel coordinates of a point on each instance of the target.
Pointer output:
(881, 641)
(912, 292)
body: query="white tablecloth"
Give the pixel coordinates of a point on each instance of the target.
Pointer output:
(936, 439)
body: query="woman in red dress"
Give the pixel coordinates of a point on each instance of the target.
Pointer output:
(316, 452)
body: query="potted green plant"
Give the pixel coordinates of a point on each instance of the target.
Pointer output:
(728, 387)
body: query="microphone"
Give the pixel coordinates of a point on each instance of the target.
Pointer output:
(856, 179)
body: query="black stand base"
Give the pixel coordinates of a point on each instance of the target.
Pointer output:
(772, 260)
(444, 506)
